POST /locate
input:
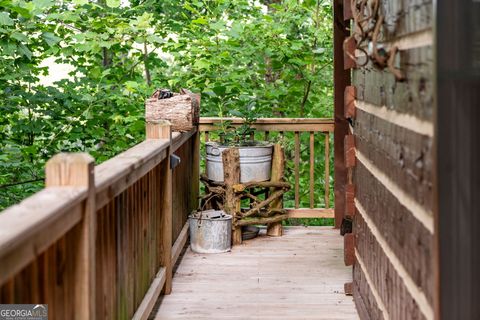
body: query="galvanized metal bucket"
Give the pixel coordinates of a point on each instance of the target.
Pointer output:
(255, 162)
(210, 231)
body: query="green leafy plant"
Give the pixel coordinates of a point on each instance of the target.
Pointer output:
(278, 55)
(239, 135)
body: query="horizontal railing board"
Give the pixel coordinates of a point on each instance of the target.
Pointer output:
(310, 213)
(180, 138)
(117, 174)
(30, 227)
(180, 243)
(273, 124)
(148, 302)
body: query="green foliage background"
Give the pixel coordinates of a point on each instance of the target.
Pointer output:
(277, 53)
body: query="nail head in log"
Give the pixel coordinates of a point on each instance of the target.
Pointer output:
(182, 109)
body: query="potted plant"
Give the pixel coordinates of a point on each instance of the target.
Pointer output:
(255, 156)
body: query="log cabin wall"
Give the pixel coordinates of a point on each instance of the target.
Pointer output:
(393, 222)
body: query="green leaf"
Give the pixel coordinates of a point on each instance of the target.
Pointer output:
(19, 36)
(5, 19)
(43, 4)
(200, 21)
(236, 113)
(25, 51)
(113, 3)
(202, 64)
(51, 39)
(80, 2)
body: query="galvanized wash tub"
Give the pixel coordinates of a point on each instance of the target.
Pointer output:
(255, 162)
(210, 231)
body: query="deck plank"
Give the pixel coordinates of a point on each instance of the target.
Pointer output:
(297, 276)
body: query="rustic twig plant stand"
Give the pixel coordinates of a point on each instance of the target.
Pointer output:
(228, 195)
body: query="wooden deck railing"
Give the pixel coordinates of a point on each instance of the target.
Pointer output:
(305, 134)
(100, 242)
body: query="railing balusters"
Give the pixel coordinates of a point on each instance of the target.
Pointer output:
(77, 170)
(207, 136)
(297, 169)
(327, 170)
(282, 129)
(312, 170)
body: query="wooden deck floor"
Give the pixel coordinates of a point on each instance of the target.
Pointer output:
(297, 276)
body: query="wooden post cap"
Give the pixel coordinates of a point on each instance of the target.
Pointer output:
(350, 94)
(158, 129)
(349, 148)
(69, 169)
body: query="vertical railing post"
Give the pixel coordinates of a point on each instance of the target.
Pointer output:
(161, 129)
(77, 170)
(297, 169)
(278, 167)
(195, 171)
(341, 79)
(327, 170)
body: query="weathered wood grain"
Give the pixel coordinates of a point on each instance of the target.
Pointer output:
(365, 301)
(407, 237)
(231, 174)
(393, 177)
(278, 169)
(349, 200)
(182, 110)
(349, 148)
(183, 180)
(349, 101)
(405, 17)
(349, 249)
(273, 124)
(398, 302)
(405, 156)
(297, 276)
(414, 96)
